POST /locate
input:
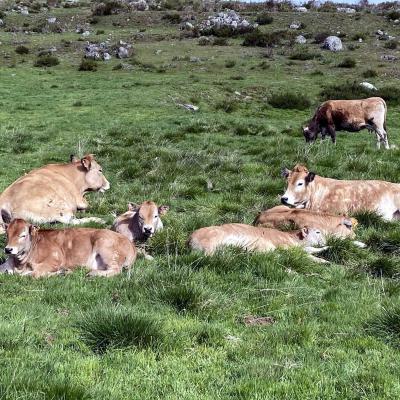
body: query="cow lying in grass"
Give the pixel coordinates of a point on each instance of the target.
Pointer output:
(42, 252)
(349, 115)
(54, 193)
(252, 238)
(307, 190)
(140, 222)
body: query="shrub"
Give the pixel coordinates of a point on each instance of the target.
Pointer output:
(46, 61)
(264, 19)
(227, 31)
(303, 55)
(383, 267)
(106, 7)
(87, 65)
(230, 63)
(393, 15)
(22, 50)
(289, 101)
(352, 47)
(219, 41)
(228, 105)
(183, 297)
(100, 32)
(370, 73)
(320, 37)
(359, 35)
(260, 39)
(116, 328)
(172, 18)
(391, 44)
(347, 63)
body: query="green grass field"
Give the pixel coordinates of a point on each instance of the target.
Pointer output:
(173, 328)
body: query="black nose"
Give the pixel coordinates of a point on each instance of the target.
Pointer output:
(284, 200)
(147, 230)
(7, 250)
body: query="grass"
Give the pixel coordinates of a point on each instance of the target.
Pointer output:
(173, 327)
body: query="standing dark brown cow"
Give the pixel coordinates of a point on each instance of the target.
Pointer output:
(349, 115)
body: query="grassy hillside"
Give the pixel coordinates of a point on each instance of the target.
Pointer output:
(173, 328)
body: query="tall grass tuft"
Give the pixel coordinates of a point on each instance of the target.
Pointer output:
(108, 327)
(289, 101)
(386, 325)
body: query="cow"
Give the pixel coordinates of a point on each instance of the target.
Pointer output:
(54, 193)
(349, 115)
(140, 222)
(307, 190)
(43, 252)
(251, 238)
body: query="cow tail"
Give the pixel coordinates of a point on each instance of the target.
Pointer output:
(384, 121)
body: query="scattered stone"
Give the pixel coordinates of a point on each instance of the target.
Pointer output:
(194, 59)
(140, 5)
(360, 40)
(251, 320)
(189, 107)
(346, 10)
(382, 35)
(333, 43)
(122, 52)
(300, 39)
(158, 52)
(388, 57)
(295, 25)
(95, 51)
(186, 26)
(368, 86)
(301, 9)
(86, 34)
(51, 20)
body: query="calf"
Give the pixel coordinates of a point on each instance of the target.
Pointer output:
(307, 190)
(54, 193)
(278, 217)
(349, 115)
(251, 238)
(140, 222)
(41, 252)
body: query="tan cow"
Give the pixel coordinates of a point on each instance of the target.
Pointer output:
(329, 224)
(54, 193)
(41, 252)
(252, 238)
(140, 222)
(307, 190)
(349, 115)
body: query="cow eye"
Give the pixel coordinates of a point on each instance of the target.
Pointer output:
(100, 170)
(300, 184)
(156, 216)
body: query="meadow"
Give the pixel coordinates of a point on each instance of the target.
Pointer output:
(174, 327)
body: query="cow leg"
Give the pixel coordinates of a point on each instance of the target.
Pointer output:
(317, 260)
(315, 250)
(7, 267)
(107, 263)
(332, 133)
(79, 221)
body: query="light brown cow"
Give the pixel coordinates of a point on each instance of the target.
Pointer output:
(54, 193)
(41, 252)
(140, 222)
(349, 115)
(252, 238)
(329, 224)
(307, 190)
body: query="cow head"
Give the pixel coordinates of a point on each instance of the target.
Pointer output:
(19, 238)
(148, 216)
(299, 183)
(94, 178)
(312, 236)
(311, 131)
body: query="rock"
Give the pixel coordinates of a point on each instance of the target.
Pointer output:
(301, 9)
(300, 39)
(140, 5)
(295, 25)
(158, 52)
(360, 40)
(97, 51)
(51, 20)
(346, 10)
(368, 86)
(205, 41)
(380, 32)
(1, 22)
(225, 19)
(333, 43)
(24, 11)
(122, 52)
(86, 34)
(186, 26)
(189, 107)
(388, 57)
(194, 59)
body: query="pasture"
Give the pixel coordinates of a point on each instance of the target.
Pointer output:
(174, 327)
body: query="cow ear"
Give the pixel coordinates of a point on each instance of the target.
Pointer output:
(87, 162)
(310, 177)
(33, 229)
(162, 210)
(73, 158)
(6, 216)
(285, 172)
(304, 232)
(133, 207)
